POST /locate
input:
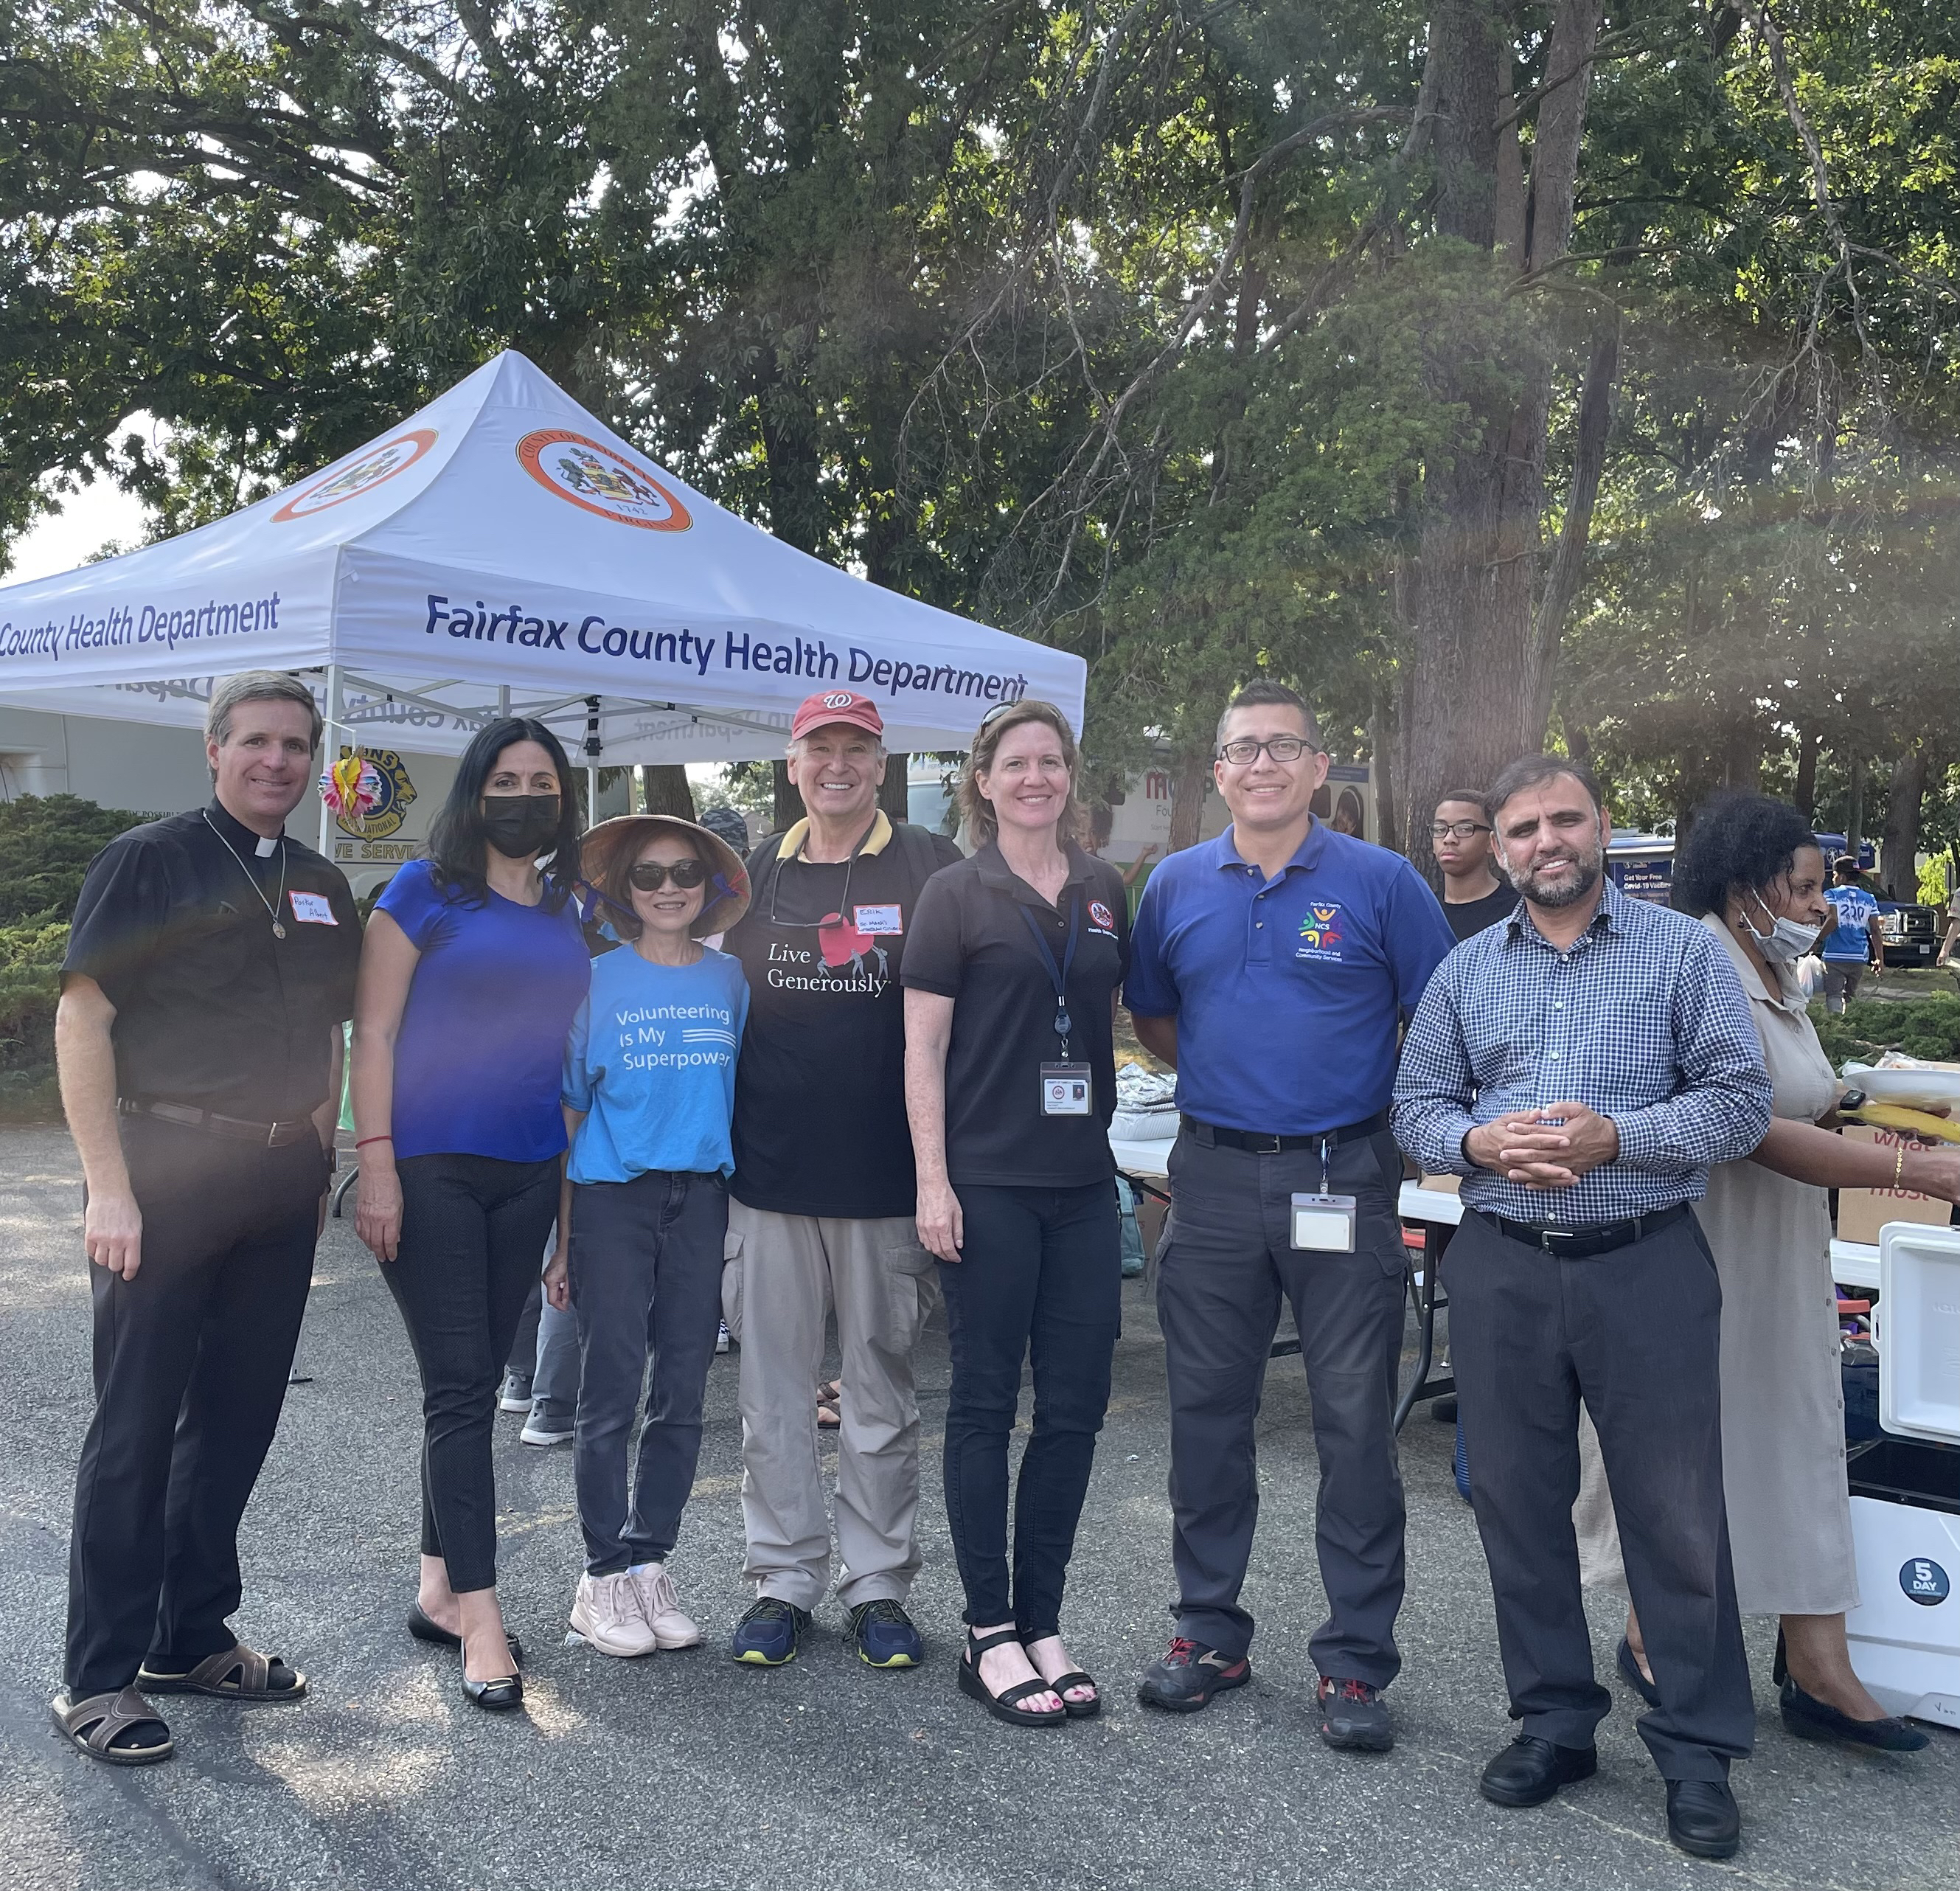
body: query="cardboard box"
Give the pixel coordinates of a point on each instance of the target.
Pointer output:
(1441, 1184)
(1862, 1212)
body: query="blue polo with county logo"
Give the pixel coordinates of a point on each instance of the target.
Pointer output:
(1288, 992)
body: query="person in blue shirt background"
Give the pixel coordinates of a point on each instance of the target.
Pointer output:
(1272, 966)
(649, 1092)
(1853, 941)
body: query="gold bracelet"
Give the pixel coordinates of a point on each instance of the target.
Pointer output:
(1898, 1167)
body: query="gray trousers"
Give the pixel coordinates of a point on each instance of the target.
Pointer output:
(1225, 1259)
(545, 1352)
(785, 1275)
(1636, 1333)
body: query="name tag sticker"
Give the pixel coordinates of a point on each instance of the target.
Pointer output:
(1065, 1090)
(873, 921)
(313, 909)
(1324, 1223)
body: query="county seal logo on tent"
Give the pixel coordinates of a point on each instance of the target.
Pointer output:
(596, 480)
(383, 463)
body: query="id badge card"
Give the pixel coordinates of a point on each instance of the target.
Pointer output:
(1065, 1090)
(1324, 1223)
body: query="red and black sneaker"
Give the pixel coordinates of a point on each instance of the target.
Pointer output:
(1187, 1675)
(1354, 1717)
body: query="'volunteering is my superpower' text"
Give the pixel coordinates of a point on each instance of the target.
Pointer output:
(148, 624)
(811, 658)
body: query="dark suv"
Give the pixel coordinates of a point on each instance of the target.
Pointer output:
(1912, 934)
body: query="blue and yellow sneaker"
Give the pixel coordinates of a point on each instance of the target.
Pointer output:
(769, 1633)
(885, 1636)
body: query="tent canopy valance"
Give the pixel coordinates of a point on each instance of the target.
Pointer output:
(504, 550)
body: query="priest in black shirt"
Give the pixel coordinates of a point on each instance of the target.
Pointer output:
(1474, 894)
(209, 969)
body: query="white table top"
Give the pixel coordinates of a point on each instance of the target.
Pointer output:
(1854, 1264)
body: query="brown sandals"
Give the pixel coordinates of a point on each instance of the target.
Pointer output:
(91, 1724)
(237, 1673)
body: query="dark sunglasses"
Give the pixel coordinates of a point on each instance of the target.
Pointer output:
(649, 876)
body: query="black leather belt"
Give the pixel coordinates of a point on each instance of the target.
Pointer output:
(1579, 1244)
(1211, 1135)
(267, 1136)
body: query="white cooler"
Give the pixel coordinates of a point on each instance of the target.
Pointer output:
(1905, 1489)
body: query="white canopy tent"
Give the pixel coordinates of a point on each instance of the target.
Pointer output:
(502, 551)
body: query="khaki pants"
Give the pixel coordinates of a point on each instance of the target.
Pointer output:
(784, 1275)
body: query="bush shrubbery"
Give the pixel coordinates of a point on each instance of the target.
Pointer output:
(46, 846)
(1928, 1027)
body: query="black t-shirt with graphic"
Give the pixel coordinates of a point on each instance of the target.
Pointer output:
(972, 945)
(820, 1123)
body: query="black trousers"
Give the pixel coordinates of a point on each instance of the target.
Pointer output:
(1041, 1279)
(646, 1279)
(191, 1358)
(1636, 1333)
(473, 1234)
(1226, 1258)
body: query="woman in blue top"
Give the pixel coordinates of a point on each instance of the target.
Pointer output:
(649, 1090)
(473, 967)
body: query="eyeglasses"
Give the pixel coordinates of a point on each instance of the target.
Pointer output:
(649, 876)
(1282, 748)
(1457, 830)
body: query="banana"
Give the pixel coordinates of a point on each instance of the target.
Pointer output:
(1919, 1122)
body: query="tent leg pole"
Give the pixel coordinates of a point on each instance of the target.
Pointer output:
(591, 795)
(327, 743)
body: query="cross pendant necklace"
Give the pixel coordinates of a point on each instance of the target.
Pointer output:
(271, 905)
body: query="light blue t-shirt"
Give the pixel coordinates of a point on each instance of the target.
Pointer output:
(651, 1061)
(1857, 911)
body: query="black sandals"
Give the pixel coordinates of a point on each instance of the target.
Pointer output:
(1006, 1704)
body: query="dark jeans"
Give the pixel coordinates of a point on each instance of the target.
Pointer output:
(191, 1358)
(1225, 1260)
(646, 1279)
(1041, 1278)
(1636, 1333)
(473, 1232)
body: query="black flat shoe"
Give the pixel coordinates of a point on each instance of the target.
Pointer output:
(1530, 1771)
(1702, 1818)
(498, 1694)
(424, 1628)
(1006, 1704)
(1630, 1667)
(1810, 1719)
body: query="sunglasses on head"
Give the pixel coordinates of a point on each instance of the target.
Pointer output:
(649, 876)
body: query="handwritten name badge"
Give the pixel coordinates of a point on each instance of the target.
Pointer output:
(873, 921)
(313, 909)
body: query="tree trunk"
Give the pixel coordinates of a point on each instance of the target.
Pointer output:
(1898, 861)
(893, 795)
(664, 787)
(1478, 672)
(1381, 752)
(788, 808)
(1810, 740)
(1189, 776)
(1854, 819)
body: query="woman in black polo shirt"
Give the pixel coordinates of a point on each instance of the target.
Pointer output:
(1011, 975)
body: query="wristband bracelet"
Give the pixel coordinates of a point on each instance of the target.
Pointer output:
(1898, 1167)
(366, 1140)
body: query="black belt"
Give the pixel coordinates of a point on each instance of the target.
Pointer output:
(1579, 1244)
(267, 1136)
(1210, 1135)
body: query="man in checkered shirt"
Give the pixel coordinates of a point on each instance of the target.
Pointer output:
(1580, 1066)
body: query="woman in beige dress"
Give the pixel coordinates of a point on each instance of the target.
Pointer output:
(1752, 871)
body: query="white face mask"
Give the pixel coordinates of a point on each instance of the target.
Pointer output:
(1786, 941)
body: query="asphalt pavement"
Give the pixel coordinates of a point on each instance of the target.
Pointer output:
(685, 1770)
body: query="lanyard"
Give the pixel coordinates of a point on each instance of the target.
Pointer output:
(1063, 1024)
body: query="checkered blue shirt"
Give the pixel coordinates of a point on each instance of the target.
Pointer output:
(1642, 1018)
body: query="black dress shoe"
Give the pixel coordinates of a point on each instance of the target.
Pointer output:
(1702, 1818)
(1530, 1770)
(1630, 1667)
(498, 1694)
(1810, 1719)
(425, 1628)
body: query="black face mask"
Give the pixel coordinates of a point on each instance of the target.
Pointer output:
(518, 825)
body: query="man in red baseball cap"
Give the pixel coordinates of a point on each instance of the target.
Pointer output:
(824, 1193)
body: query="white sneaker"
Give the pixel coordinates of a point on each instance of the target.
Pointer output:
(606, 1612)
(659, 1608)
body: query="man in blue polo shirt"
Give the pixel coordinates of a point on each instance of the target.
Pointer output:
(1272, 966)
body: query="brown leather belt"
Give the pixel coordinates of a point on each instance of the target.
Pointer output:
(267, 1136)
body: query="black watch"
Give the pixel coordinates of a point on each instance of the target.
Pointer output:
(1463, 1148)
